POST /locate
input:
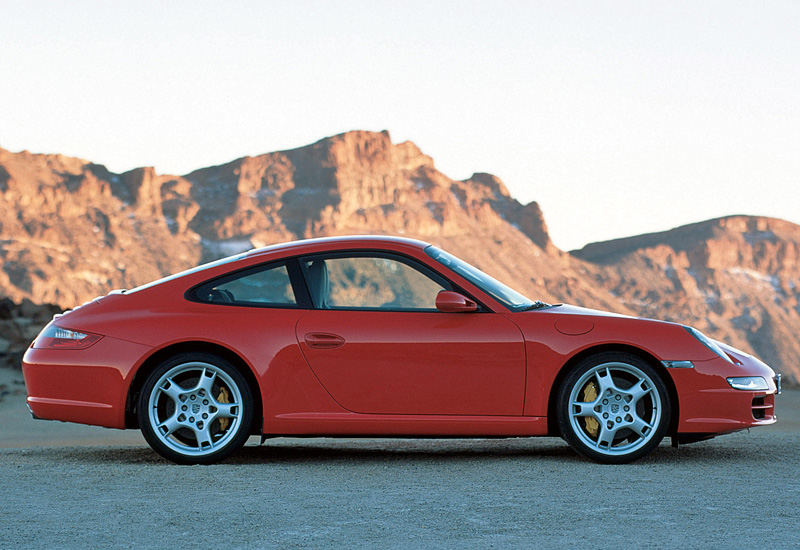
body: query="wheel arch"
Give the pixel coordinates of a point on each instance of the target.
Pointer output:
(159, 356)
(552, 421)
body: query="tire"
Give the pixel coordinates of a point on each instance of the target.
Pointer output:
(613, 408)
(195, 408)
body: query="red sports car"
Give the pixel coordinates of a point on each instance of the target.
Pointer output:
(377, 336)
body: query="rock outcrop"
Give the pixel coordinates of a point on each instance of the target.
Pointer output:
(71, 230)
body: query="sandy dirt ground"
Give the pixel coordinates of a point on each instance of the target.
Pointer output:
(69, 486)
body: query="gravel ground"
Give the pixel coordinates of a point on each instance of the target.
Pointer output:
(99, 488)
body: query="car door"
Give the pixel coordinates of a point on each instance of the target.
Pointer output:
(377, 343)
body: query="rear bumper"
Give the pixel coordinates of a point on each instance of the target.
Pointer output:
(85, 386)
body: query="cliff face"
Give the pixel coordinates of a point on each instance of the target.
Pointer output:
(71, 230)
(351, 183)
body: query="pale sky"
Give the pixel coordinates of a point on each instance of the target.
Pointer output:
(619, 118)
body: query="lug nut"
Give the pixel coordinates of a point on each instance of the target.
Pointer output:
(191, 419)
(626, 408)
(205, 401)
(605, 401)
(193, 397)
(605, 415)
(618, 419)
(205, 415)
(184, 408)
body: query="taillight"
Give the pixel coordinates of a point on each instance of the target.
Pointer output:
(55, 337)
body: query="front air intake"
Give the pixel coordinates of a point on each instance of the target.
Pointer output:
(761, 409)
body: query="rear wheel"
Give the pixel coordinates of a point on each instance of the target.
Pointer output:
(613, 408)
(195, 408)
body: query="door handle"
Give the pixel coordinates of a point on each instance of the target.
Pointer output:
(323, 340)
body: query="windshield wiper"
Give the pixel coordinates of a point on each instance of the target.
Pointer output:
(538, 304)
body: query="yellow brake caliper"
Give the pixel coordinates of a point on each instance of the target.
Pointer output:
(225, 397)
(590, 423)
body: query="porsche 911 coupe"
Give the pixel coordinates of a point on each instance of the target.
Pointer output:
(381, 337)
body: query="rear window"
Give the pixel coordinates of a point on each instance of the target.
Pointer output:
(268, 286)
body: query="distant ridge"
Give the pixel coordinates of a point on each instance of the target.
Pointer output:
(686, 237)
(737, 277)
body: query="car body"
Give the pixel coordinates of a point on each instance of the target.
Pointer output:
(380, 336)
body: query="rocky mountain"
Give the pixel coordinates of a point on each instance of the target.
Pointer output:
(71, 230)
(737, 278)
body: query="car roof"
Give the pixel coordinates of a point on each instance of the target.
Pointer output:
(322, 244)
(339, 242)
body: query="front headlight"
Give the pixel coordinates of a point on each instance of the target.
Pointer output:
(709, 343)
(750, 383)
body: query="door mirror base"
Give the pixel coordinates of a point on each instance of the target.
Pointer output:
(448, 301)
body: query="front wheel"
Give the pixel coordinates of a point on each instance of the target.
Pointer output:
(613, 408)
(195, 408)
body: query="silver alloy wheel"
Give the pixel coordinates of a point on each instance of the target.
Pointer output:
(195, 409)
(615, 409)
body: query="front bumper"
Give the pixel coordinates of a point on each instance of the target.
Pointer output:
(709, 405)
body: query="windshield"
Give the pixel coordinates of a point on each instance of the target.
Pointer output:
(500, 292)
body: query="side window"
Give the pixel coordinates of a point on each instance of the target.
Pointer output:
(270, 286)
(370, 282)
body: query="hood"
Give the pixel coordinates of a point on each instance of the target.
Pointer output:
(567, 309)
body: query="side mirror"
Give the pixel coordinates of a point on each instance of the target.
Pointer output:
(453, 302)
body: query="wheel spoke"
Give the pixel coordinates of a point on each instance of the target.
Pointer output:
(172, 390)
(204, 440)
(606, 437)
(605, 381)
(207, 381)
(583, 409)
(639, 390)
(170, 425)
(640, 426)
(227, 410)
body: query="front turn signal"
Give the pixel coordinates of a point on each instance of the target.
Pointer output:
(748, 383)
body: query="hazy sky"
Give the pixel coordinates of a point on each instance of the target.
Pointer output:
(617, 117)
